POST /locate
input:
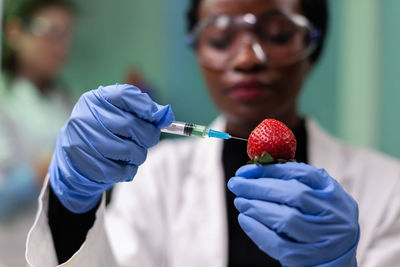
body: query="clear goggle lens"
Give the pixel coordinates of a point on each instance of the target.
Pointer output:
(275, 38)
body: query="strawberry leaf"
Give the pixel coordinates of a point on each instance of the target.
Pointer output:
(268, 159)
(264, 159)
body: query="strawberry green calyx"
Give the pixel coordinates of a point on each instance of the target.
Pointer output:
(268, 159)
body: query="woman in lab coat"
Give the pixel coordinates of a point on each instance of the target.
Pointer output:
(255, 56)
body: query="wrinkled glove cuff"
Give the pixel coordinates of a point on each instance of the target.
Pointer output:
(76, 193)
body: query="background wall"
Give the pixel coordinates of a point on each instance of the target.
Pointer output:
(389, 115)
(353, 92)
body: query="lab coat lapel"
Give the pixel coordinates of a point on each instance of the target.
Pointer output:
(207, 195)
(324, 151)
(215, 196)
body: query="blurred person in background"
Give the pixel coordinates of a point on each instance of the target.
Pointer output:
(255, 56)
(33, 107)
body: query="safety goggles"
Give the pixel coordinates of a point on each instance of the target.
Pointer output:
(42, 27)
(276, 38)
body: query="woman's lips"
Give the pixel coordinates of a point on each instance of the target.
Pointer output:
(249, 90)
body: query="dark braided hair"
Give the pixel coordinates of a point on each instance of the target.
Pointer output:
(315, 10)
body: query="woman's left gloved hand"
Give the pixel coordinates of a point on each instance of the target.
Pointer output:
(297, 214)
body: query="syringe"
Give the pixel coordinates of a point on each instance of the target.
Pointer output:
(191, 129)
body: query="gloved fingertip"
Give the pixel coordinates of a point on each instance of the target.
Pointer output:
(244, 169)
(239, 203)
(245, 222)
(231, 184)
(249, 171)
(164, 116)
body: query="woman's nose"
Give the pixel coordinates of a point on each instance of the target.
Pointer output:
(249, 56)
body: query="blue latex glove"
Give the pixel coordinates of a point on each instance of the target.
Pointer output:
(297, 214)
(104, 141)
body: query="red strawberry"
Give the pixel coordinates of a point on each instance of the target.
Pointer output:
(271, 138)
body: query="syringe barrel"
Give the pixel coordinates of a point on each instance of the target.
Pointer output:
(177, 128)
(186, 129)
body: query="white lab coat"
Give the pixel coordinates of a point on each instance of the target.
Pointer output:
(173, 213)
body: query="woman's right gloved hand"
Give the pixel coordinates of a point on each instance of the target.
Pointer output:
(104, 141)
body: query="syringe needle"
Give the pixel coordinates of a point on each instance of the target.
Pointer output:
(238, 138)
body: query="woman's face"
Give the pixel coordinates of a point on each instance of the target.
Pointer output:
(42, 45)
(248, 89)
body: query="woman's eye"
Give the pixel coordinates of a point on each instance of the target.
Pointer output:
(280, 38)
(219, 43)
